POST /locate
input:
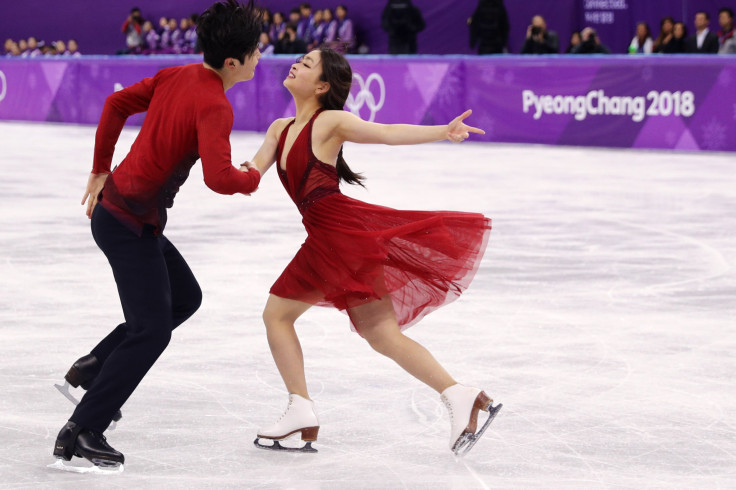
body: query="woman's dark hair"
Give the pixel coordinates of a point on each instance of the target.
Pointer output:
(336, 71)
(228, 30)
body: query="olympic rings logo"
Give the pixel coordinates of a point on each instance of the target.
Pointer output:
(366, 97)
(4, 82)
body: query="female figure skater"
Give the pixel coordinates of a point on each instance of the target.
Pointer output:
(386, 268)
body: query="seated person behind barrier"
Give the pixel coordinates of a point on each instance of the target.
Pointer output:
(703, 41)
(726, 38)
(642, 42)
(290, 43)
(666, 26)
(539, 40)
(590, 44)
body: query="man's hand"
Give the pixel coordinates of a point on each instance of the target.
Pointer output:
(95, 183)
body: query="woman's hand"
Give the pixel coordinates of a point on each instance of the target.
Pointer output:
(95, 183)
(458, 131)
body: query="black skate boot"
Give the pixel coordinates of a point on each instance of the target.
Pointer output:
(82, 373)
(74, 440)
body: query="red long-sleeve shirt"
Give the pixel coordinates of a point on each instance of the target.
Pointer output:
(188, 118)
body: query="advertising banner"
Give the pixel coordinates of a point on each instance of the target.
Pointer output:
(668, 102)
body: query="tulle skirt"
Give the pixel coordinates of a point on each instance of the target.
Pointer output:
(356, 253)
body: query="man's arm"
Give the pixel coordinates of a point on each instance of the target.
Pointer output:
(118, 107)
(214, 124)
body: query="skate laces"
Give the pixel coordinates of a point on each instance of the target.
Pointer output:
(285, 411)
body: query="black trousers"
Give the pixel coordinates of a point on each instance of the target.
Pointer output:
(158, 293)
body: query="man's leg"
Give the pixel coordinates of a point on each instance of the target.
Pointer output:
(142, 278)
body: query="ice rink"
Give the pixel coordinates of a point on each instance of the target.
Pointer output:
(603, 318)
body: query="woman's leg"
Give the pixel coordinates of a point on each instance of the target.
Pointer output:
(279, 317)
(376, 322)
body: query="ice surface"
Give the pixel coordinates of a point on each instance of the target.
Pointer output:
(602, 318)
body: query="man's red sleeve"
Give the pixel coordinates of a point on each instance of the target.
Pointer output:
(118, 107)
(214, 124)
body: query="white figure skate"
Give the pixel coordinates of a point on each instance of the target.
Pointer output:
(300, 418)
(463, 404)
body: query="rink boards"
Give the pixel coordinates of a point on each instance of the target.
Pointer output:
(664, 102)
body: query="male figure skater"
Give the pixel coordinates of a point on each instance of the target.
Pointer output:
(188, 118)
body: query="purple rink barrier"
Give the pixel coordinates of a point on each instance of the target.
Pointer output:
(669, 102)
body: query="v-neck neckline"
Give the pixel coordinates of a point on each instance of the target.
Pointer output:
(287, 129)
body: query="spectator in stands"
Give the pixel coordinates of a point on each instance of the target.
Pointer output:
(264, 44)
(133, 28)
(295, 17)
(402, 21)
(23, 48)
(345, 32)
(60, 47)
(190, 36)
(34, 49)
(306, 23)
(489, 27)
(726, 40)
(290, 43)
(163, 25)
(278, 27)
(151, 38)
(11, 49)
(73, 48)
(266, 19)
(677, 43)
(590, 43)
(703, 41)
(330, 22)
(539, 40)
(666, 25)
(318, 33)
(642, 42)
(171, 38)
(574, 41)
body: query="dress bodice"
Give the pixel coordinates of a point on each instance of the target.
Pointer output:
(306, 178)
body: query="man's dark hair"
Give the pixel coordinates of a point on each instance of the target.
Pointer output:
(228, 30)
(727, 10)
(707, 16)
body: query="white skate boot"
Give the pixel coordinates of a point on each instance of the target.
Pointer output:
(463, 404)
(299, 417)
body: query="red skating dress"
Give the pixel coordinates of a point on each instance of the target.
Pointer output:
(357, 252)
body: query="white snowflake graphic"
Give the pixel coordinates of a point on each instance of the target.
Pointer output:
(409, 83)
(487, 124)
(714, 135)
(647, 73)
(489, 74)
(725, 79)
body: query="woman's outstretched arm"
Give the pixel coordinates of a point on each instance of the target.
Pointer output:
(350, 127)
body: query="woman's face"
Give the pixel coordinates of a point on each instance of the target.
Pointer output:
(278, 18)
(641, 30)
(305, 73)
(678, 30)
(575, 38)
(340, 13)
(327, 15)
(667, 27)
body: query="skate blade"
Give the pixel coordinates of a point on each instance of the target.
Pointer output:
(276, 446)
(467, 441)
(64, 390)
(111, 469)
